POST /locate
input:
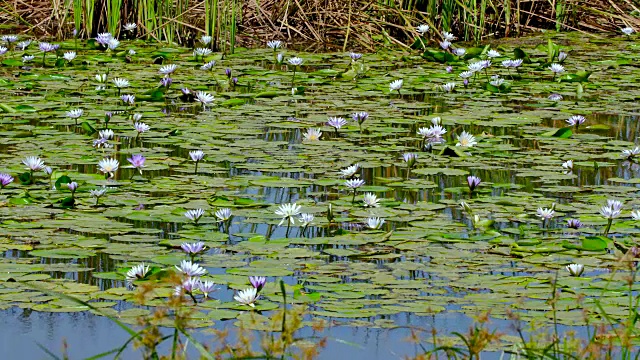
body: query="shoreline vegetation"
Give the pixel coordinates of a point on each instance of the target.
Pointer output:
(330, 25)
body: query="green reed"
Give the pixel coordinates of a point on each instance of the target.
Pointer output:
(211, 21)
(113, 8)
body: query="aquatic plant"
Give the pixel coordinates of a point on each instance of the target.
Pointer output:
(575, 269)
(336, 123)
(295, 62)
(312, 135)
(288, 212)
(196, 156)
(610, 211)
(247, 296)
(194, 215)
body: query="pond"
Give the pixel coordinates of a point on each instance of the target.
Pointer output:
(441, 203)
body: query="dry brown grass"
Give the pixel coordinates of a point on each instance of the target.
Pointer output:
(346, 24)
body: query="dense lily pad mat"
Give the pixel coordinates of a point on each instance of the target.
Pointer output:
(429, 256)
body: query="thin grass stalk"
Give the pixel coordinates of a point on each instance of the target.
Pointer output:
(113, 15)
(77, 15)
(507, 16)
(211, 19)
(481, 22)
(234, 22)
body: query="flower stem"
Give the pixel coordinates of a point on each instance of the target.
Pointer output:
(606, 231)
(353, 199)
(288, 228)
(196, 171)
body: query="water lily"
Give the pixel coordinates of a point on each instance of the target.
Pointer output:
(349, 171)
(130, 27)
(546, 214)
(188, 286)
(247, 296)
(206, 39)
(196, 156)
(459, 52)
(23, 45)
(69, 56)
(274, 45)
(627, 30)
(556, 69)
(306, 219)
(355, 56)
(257, 282)
(75, 114)
(9, 39)
(496, 81)
(449, 87)
(336, 123)
(166, 82)
(194, 215)
(410, 159)
(128, 99)
(568, 165)
(512, 63)
(475, 66)
(209, 65)
(101, 78)
(33, 163)
(448, 36)
(202, 52)
(288, 212)
(137, 272)
(204, 98)
(576, 120)
(108, 166)
(113, 43)
(574, 224)
(610, 211)
(465, 139)
(360, 118)
(168, 69)
(422, 29)
(312, 135)
(396, 85)
(630, 154)
(5, 179)
(575, 269)
(223, 214)
(555, 97)
(473, 182)
(445, 44)
(141, 127)
(354, 184)
(137, 161)
(72, 186)
(191, 269)
(562, 56)
(98, 193)
(492, 54)
(375, 223)
(192, 249)
(295, 62)
(370, 200)
(207, 287)
(103, 39)
(466, 74)
(635, 214)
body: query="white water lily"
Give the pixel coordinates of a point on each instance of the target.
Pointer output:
(493, 54)
(631, 153)
(191, 269)
(556, 68)
(75, 114)
(635, 214)
(99, 192)
(202, 52)
(274, 44)
(130, 26)
(568, 165)
(69, 56)
(204, 98)
(576, 120)
(422, 29)
(120, 83)
(209, 65)
(137, 272)
(476, 66)
(194, 215)
(223, 214)
(206, 39)
(545, 214)
(312, 135)
(396, 85)
(168, 69)
(627, 30)
(370, 200)
(295, 61)
(247, 296)
(448, 36)
(113, 43)
(612, 209)
(374, 223)
(108, 166)
(288, 212)
(106, 134)
(466, 74)
(33, 163)
(305, 219)
(349, 171)
(101, 78)
(449, 87)
(354, 183)
(196, 155)
(459, 51)
(466, 140)
(575, 269)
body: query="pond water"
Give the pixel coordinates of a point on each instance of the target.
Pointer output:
(432, 263)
